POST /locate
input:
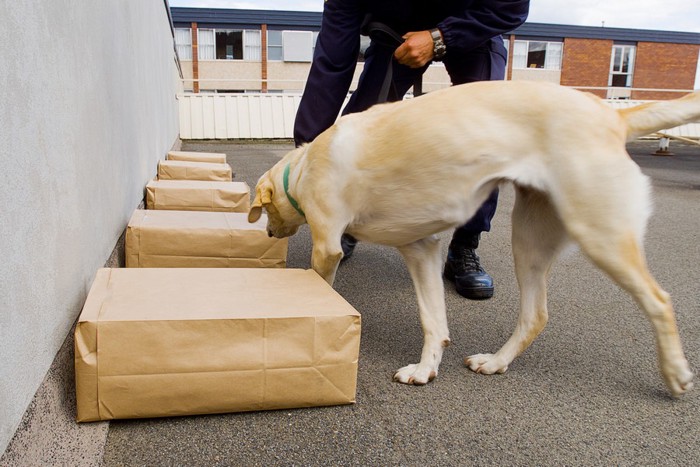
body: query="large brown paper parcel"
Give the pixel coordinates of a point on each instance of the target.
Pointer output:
(217, 157)
(167, 342)
(199, 239)
(188, 170)
(196, 195)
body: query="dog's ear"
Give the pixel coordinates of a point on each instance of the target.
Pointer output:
(263, 197)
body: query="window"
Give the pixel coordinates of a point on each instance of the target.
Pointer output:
(297, 46)
(252, 47)
(274, 45)
(229, 45)
(224, 44)
(206, 44)
(537, 55)
(621, 66)
(183, 43)
(291, 46)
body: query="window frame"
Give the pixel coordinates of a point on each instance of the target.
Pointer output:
(549, 44)
(245, 47)
(182, 46)
(632, 49)
(279, 46)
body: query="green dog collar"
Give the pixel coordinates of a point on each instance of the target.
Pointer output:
(292, 201)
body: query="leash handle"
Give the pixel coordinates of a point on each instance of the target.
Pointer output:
(386, 37)
(382, 34)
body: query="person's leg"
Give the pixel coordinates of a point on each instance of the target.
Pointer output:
(462, 265)
(367, 94)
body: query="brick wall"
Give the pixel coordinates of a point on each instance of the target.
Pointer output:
(664, 66)
(586, 62)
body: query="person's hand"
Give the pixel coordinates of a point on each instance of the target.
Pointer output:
(416, 51)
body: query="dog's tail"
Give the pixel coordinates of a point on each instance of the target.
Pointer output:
(654, 116)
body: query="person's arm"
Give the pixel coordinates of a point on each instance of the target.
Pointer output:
(475, 26)
(465, 30)
(332, 69)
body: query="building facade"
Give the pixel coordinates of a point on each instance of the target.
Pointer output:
(237, 51)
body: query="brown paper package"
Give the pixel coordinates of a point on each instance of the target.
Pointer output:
(197, 195)
(199, 239)
(216, 157)
(169, 342)
(188, 170)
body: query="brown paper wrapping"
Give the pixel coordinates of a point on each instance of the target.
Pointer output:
(188, 170)
(196, 195)
(216, 157)
(199, 239)
(168, 342)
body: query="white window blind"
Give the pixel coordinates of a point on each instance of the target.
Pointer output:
(183, 43)
(520, 54)
(552, 60)
(252, 47)
(206, 44)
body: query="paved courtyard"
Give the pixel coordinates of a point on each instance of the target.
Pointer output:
(587, 392)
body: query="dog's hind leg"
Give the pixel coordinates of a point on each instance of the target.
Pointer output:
(538, 235)
(619, 253)
(424, 264)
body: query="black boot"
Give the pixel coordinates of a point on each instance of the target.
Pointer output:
(347, 243)
(463, 268)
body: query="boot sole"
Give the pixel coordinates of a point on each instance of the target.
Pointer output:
(483, 293)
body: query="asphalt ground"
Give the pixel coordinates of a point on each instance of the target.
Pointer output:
(587, 392)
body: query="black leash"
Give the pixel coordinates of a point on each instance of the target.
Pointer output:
(386, 37)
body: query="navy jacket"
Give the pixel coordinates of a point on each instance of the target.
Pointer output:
(465, 25)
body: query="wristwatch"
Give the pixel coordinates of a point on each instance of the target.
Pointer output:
(439, 48)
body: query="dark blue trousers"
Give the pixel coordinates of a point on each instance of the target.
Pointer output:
(485, 63)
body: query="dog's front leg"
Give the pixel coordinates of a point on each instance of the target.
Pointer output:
(424, 264)
(327, 252)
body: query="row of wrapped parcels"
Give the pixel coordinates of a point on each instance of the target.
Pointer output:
(198, 219)
(207, 319)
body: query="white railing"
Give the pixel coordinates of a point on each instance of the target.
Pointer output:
(271, 115)
(237, 116)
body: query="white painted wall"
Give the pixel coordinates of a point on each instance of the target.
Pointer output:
(87, 107)
(697, 74)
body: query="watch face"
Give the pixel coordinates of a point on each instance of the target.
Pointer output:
(439, 49)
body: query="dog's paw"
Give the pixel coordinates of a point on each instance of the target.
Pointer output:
(486, 364)
(680, 379)
(415, 374)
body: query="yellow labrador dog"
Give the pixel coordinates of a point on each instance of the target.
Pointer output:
(399, 173)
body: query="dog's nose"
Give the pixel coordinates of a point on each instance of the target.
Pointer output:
(269, 233)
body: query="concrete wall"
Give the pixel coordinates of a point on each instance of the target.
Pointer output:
(87, 107)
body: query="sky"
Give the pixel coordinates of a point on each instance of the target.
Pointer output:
(666, 15)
